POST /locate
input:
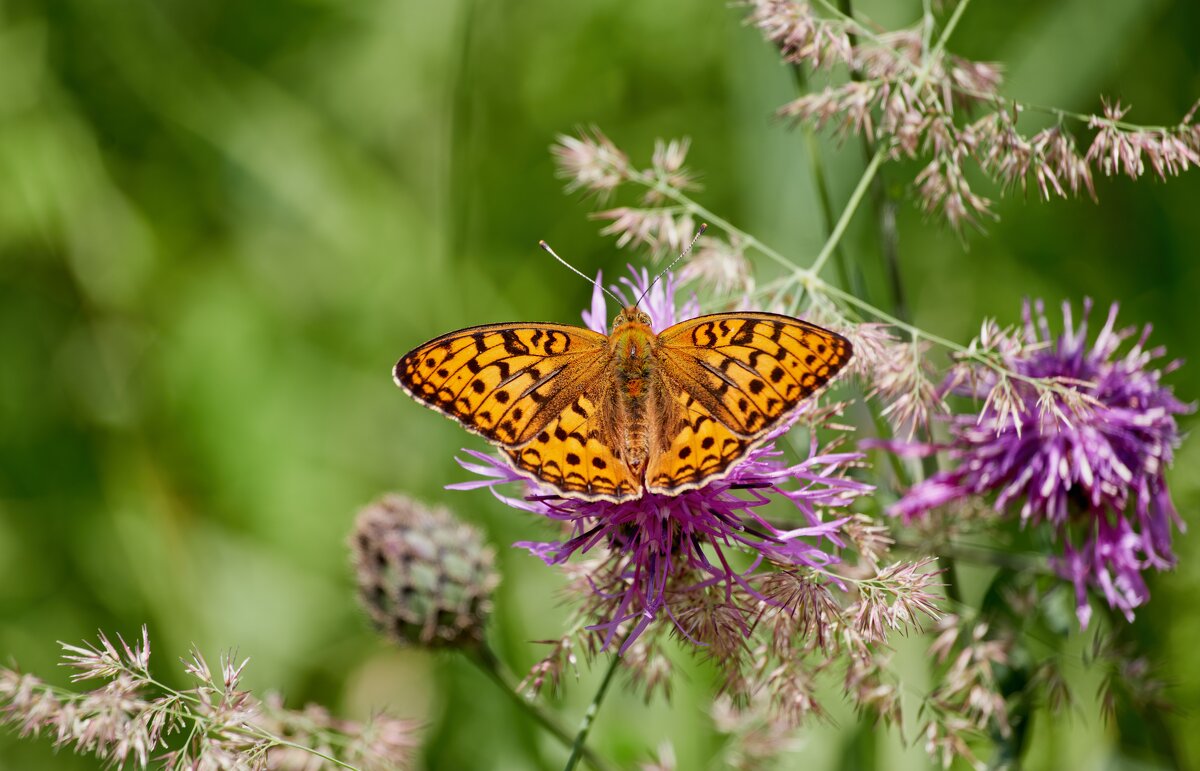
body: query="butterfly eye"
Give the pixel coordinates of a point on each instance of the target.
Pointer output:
(643, 318)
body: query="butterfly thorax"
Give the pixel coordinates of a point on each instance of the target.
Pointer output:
(635, 361)
(632, 344)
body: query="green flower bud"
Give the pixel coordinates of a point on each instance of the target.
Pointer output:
(424, 577)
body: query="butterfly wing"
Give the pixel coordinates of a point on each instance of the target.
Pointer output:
(506, 382)
(736, 376)
(696, 449)
(574, 452)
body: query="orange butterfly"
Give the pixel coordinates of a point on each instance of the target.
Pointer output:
(612, 417)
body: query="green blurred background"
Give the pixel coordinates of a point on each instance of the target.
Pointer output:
(221, 222)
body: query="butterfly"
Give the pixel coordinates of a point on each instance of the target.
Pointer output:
(613, 417)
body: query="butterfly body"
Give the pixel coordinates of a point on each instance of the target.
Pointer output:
(613, 417)
(634, 367)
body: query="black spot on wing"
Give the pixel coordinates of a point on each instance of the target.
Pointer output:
(744, 336)
(512, 343)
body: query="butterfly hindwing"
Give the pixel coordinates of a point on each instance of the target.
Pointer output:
(749, 370)
(574, 453)
(503, 381)
(700, 447)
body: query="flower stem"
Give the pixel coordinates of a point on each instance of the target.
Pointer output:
(839, 228)
(889, 244)
(821, 184)
(489, 663)
(1011, 746)
(1152, 717)
(851, 280)
(881, 202)
(585, 726)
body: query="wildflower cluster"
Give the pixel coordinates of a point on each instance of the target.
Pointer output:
(809, 640)
(1087, 462)
(913, 99)
(899, 373)
(1074, 437)
(133, 718)
(711, 568)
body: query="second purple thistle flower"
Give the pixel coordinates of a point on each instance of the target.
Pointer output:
(1092, 470)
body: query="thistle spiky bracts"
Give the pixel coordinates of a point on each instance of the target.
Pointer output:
(424, 577)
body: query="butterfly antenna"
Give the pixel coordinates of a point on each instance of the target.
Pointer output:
(581, 274)
(699, 232)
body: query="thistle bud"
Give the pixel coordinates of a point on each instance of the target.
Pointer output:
(424, 577)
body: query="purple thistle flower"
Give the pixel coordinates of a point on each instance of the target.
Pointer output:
(1093, 474)
(658, 545)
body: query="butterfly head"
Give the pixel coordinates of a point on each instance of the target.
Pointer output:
(631, 315)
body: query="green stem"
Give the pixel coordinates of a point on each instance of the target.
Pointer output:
(881, 153)
(850, 281)
(820, 182)
(950, 568)
(885, 208)
(487, 661)
(710, 217)
(1010, 748)
(839, 229)
(889, 244)
(579, 748)
(1161, 737)
(809, 278)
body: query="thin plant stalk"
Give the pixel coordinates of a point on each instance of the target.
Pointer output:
(879, 157)
(821, 185)
(489, 663)
(851, 280)
(579, 749)
(1152, 717)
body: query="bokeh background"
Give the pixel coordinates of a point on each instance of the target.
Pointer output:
(221, 222)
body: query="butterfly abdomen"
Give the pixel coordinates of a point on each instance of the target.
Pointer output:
(635, 365)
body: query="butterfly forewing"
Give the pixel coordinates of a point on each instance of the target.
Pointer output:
(756, 367)
(504, 381)
(739, 375)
